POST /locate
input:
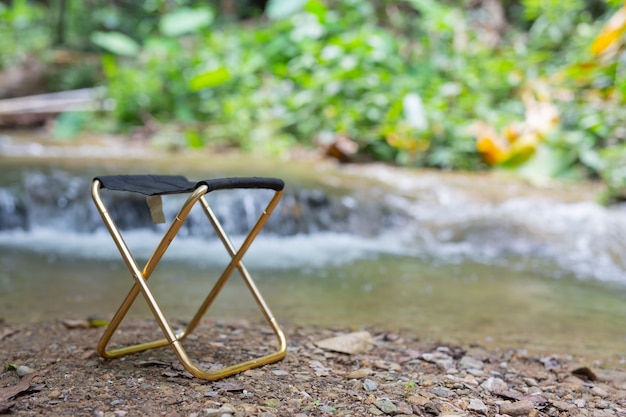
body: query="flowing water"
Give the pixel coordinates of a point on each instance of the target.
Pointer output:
(458, 258)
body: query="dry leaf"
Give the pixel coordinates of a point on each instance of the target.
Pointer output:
(7, 332)
(320, 370)
(7, 393)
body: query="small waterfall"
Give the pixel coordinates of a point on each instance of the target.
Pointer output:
(420, 215)
(58, 200)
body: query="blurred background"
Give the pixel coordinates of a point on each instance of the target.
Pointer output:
(455, 169)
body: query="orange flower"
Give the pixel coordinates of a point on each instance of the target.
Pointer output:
(491, 150)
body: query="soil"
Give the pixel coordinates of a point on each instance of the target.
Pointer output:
(395, 374)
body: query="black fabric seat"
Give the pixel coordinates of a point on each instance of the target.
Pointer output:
(178, 184)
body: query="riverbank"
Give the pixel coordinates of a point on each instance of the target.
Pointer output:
(391, 374)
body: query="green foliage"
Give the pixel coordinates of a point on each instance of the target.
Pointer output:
(22, 32)
(185, 20)
(407, 81)
(116, 42)
(316, 72)
(552, 10)
(281, 9)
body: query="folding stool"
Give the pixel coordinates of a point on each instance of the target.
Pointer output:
(153, 186)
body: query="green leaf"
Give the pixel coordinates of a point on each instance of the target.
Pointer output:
(317, 8)
(547, 163)
(116, 42)
(97, 323)
(10, 367)
(210, 79)
(194, 139)
(281, 9)
(185, 20)
(68, 125)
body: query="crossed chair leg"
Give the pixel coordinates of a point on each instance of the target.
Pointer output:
(141, 276)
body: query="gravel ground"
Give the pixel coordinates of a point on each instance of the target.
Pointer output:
(386, 374)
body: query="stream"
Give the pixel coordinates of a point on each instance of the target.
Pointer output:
(460, 258)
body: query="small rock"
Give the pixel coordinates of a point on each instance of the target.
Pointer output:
(369, 385)
(432, 408)
(228, 408)
(442, 360)
(24, 370)
(467, 362)
(375, 411)
(602, 405)
(359, 373)
(319, 368)
(531, 382)
(386, 406)
(254, 373)
(224, 411)
(351, 343)
(418, 400)
(280, 372)
(477, 406)
(597, 391)
(494, 385)
(562, 405)
(404, 409)
(519, 408)
(443, 392)
(580, 403)
(76, 324)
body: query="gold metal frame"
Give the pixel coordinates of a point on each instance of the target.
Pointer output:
(140, 285)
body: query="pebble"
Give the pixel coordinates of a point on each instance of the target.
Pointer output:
(562, 405)
(602, 405)
(418, 400)
(375, 411)
(280, 372)
(224, 411)
(531, 382)
(386, 406)
(580, 403)
(477, 406)
(442, 360)
(369, 385)
(519, 408)
(494, 385)
(359, 373)
(443, 392)
(24, 370)
(599, 392)
(467, 362)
